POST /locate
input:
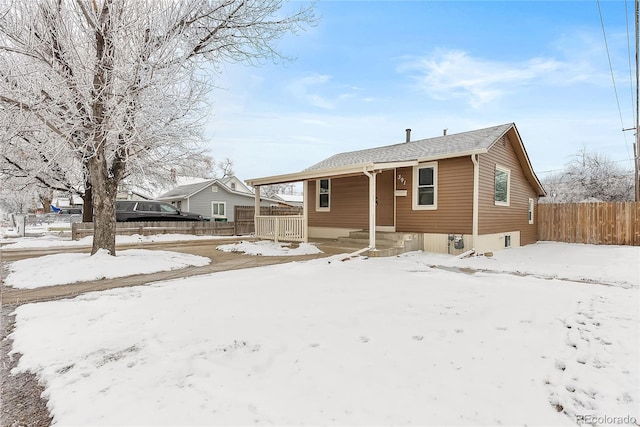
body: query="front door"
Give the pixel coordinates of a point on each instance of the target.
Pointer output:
(385, 203)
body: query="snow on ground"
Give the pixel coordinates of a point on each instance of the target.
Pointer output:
(269, 248)
(615, 265)
(367, 341)
(48, 241)
(59, 269)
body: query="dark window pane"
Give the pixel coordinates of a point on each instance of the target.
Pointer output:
(425, 176)
(324, 200)
(167, 208)
(425, 196)
(324, 185)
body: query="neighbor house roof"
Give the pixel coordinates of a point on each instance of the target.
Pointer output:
(189, 190)
(185, 191)
(411, 153)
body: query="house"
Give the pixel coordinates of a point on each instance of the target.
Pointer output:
(471, 190)
(214, 198)
(290, 199)
(131, 195)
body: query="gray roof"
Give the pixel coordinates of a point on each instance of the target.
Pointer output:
(184, 191)
(439, 147)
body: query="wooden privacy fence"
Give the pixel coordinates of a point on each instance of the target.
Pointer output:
(244, 216)
(601, 223)
(146, 228)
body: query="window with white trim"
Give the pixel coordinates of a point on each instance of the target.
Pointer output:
(323, 194)
(530, 210)
(502, 184)
(425, 186)
(218, 209)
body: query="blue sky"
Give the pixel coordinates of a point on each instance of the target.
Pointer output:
(371, 69)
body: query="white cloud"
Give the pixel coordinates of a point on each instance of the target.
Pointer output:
(447, 74)
(302, 89)
(319, 91)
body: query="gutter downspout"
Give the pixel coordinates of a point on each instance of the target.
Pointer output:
(475, 158)
(372, 208)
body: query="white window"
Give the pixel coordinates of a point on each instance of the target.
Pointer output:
(323, 194)
(502, 184)
(214, 188)
(218, 209)
(530, 211)
(425, 186)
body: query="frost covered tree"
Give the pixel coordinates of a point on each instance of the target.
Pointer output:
(274, 189)
(590, 176)
(28, 164)
(120, 86)
(225, 168)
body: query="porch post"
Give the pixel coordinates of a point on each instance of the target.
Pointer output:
(305, 211)
(256, 210)
(372, 208)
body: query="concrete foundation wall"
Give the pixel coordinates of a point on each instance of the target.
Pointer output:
(329, 232)
(495, 242)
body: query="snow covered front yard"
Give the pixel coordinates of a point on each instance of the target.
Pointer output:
(384, 341)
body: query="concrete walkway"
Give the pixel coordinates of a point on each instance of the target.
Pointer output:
(220, 261)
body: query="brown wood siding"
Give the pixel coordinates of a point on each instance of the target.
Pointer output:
(498, 219)
(348, 201)
(455, 200)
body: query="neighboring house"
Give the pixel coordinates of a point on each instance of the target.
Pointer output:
(73, 201)
(131, 195)
(214, 198)
(296, 200)
(234, 184)
(477, 185)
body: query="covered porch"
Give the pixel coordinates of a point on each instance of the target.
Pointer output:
(375, 204)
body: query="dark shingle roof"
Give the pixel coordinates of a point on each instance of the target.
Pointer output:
(183, 191)
(442, 146)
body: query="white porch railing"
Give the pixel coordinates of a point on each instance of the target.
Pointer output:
(289, 228)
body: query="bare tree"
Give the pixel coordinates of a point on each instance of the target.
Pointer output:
(27, 164)
(122, 84)
(225, 167)
(273, 189)
(590, 176)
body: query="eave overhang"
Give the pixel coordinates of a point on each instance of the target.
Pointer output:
(347, 170)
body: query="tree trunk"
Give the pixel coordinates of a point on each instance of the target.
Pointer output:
(87, 203)
(46, 203)
(103, 191)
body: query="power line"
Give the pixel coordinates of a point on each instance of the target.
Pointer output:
(626, 16)
(613, 79)
(565, 168)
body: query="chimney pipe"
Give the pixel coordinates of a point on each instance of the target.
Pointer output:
(408, 135)
(444, 131)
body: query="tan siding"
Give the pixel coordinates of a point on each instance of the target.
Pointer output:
(455, 200)
(349, 204)
(497, 219)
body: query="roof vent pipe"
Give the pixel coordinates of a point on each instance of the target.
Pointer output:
(408, 135)
(444, 131)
